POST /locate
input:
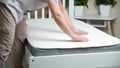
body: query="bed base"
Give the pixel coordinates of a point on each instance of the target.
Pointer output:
(86, 60)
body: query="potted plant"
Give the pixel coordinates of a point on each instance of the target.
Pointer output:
(79, 6)
(105, 6)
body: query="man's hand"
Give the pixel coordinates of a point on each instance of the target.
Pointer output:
(79, 38)
(79, 31)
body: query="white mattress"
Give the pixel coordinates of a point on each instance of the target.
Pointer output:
(44, 33)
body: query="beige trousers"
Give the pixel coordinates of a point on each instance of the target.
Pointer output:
(12, 37)
(19, 44)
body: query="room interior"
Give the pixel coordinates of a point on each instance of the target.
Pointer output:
(93, 9)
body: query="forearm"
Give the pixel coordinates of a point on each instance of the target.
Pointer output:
(64, 11)
(67, 18)
(61, 22)
(59, 17)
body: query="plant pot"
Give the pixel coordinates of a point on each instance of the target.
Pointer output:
(105, 10)
(78, 10)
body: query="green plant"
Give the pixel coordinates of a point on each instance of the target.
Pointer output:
(106, 2)
(67, 3)
(81, 3)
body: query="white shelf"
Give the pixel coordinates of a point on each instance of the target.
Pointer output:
(96, 20)
(95, 17)
(97, 23)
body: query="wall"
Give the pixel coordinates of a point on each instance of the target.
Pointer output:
(116, 11)
(94, 9)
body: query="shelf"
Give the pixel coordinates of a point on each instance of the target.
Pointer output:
(95, 17)
(97, 23)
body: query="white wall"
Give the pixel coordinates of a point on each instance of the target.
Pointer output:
(116, 11)
(94, 9)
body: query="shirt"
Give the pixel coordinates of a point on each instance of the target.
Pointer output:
(19, 7)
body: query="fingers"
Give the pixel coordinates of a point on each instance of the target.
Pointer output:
(78, 38)
(84, 39)
(79, 32)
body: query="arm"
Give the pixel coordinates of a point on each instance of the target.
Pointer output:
(59, 17)
(69, 22)
(62, 22)
(64, 11)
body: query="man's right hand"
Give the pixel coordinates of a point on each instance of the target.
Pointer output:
(79, 38)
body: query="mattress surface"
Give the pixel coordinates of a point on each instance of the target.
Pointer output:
(45, 34)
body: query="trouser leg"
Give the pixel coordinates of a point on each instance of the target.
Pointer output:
(19, 44)
(7, 30)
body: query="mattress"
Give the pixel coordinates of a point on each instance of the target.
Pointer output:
(59, 51)
(46, 38)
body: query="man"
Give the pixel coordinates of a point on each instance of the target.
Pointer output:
(13, 26)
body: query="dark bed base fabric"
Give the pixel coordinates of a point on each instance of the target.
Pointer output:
(48, 52)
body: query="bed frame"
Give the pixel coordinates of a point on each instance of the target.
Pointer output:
(84, 60)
